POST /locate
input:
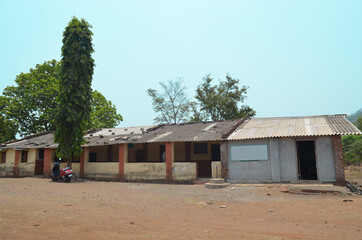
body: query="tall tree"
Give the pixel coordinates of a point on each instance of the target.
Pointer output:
(222, 101)
(172, 106)
(29, 106)
(75, 90)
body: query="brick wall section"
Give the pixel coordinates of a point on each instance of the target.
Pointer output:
(224, 160)
(338, 159)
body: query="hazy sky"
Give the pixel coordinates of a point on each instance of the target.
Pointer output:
(297, 57)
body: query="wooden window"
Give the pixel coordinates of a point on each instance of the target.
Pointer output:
(109, 153)
(139, 155)
(93, 157)
(24, 156)
(200, 148)
(3, 157)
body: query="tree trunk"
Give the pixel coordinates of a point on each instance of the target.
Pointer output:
(70, 160)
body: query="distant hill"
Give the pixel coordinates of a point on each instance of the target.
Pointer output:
(354, 116)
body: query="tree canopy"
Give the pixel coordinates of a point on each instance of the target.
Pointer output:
(7, 126)
(104, 112)
(29, 107)
(172, 106)
(75, 92)
(31, 103)
(221, 101)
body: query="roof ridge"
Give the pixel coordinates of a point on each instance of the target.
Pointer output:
(296, 117)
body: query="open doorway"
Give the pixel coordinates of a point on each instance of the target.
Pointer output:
(306, 160)
(39, 162)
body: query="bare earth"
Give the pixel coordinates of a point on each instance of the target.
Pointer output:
(36, 208)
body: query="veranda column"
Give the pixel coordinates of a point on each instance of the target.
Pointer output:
(83, 160)
(16, 163)
(47, 161)
(122, 158)
(169, 159)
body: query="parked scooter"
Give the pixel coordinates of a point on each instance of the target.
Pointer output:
(64, 174)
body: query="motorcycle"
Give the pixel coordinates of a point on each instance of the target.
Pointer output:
(65, 174)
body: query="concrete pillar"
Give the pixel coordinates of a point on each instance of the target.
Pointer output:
(122, 158)
(16, 163)
(47, 161)
(274, 159)
(84, 157)
(224, 158)
(338, 159)
(169, 159)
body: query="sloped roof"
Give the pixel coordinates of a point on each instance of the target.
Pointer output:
(39, 140)
(239, 129)
(323, 125)
(191, 132)
(109, 136)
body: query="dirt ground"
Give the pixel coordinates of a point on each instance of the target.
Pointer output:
(36, 208)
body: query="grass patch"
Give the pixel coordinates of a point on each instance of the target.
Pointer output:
(353, 174)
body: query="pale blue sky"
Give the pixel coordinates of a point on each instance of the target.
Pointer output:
(297, 57)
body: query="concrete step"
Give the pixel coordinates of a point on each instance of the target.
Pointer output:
(217, 180)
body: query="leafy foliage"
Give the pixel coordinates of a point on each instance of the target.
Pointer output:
(352, 146)
(221, 102)
(104, 113)
(75, 92)
(172, 105)
(8, 127)
(358, 123)
(352, 149)
(30, 106)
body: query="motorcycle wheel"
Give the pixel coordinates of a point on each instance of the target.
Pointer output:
(67, 179)
(54, 179)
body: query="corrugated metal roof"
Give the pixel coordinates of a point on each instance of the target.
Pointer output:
(324, 125)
